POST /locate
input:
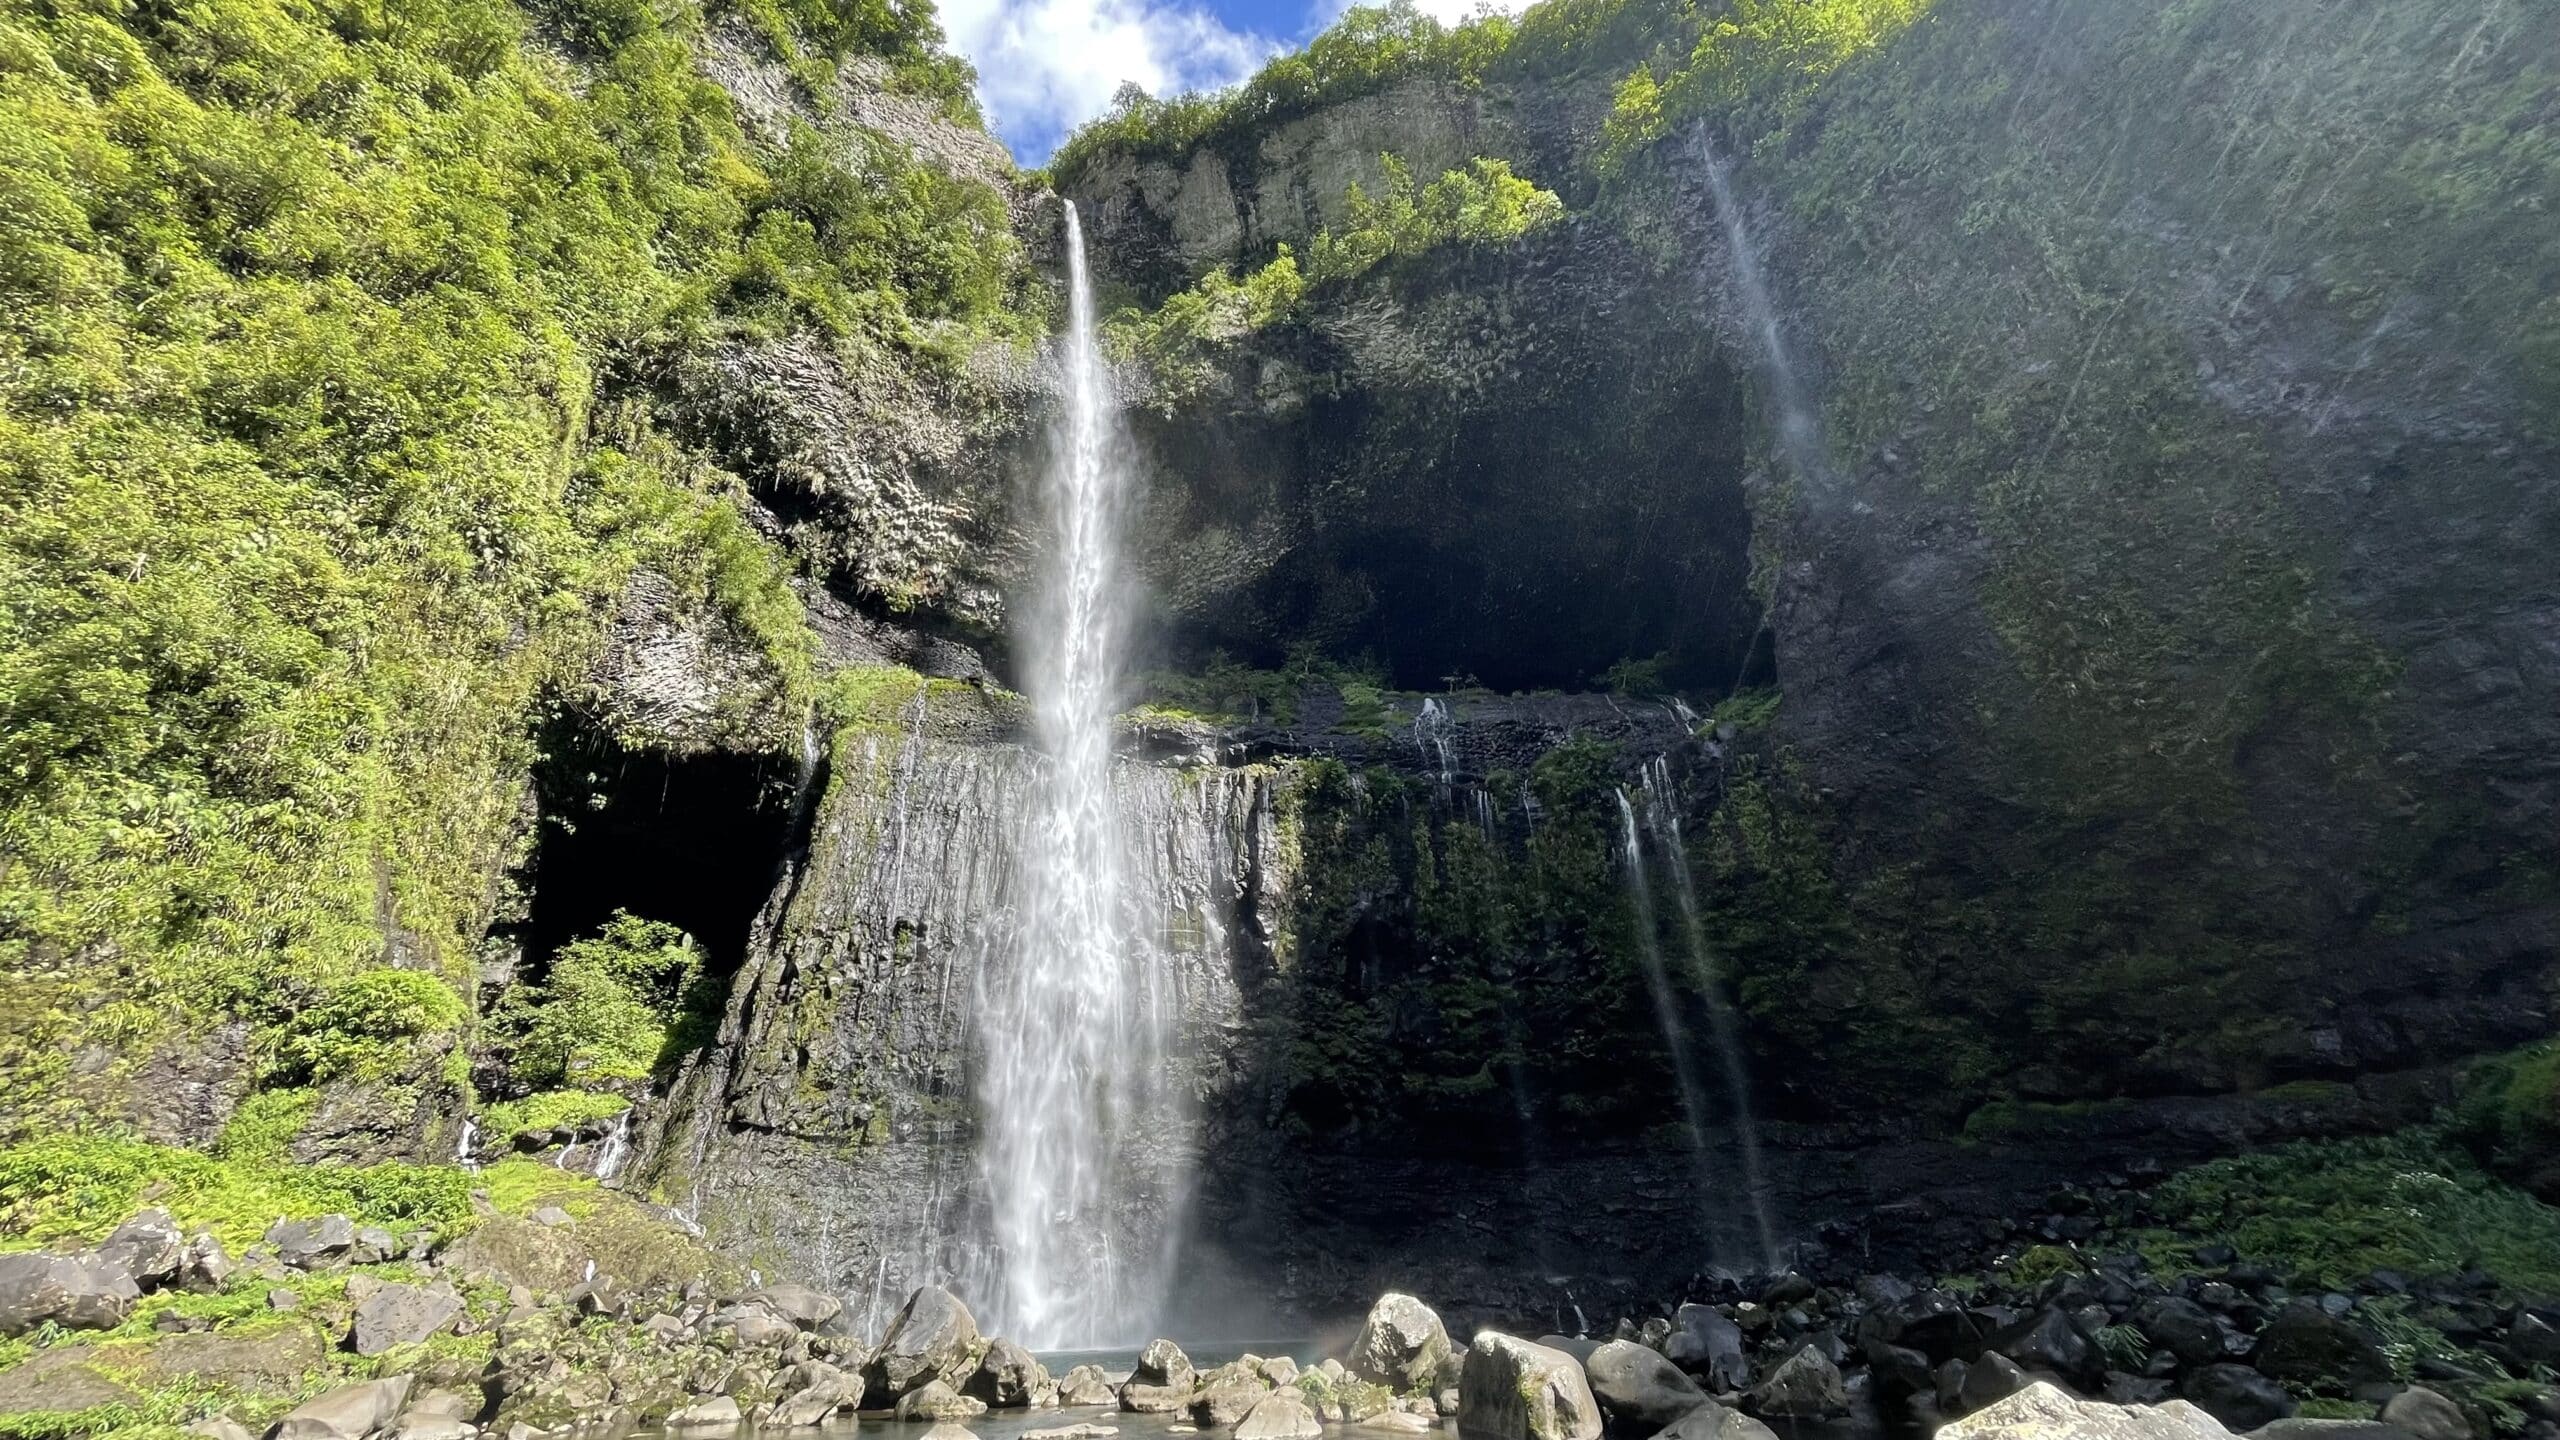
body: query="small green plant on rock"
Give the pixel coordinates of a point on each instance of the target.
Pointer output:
(604, 1010)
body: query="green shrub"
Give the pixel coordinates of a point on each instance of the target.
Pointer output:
(603, 1010)
(2508, 1114)
(551, 1110)
(80, 1187)
(365, 1027)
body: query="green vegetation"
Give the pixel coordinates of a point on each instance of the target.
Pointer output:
(312, 483)
(1483, 204)
(80, 1187)
(2336, 1211)
(2509, 1115)
(1752, 64)
(604, 1010)
(552, 1110)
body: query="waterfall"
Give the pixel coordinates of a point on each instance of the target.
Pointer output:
(1799, 426)
(1666, 1003)
(1661, 804)
(465, 1150)
(617, 1147)
(1069, 1025)
(1431, 737)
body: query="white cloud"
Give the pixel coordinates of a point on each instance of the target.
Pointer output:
(1047, 66)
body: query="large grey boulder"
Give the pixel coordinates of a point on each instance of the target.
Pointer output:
(1402, 1345)
(931, 1338)
(1162, 1382)
(1008, 1378)
(801, 1305)
(1514, 1390)
(2182, 1327)
(2236, 1395)
(811, 1392)
(720, 1412)
(1705, 1342)
(2043, 1411)
(206, 1267)
(2429, 1416)
(1712, 1421)
(1638, 1388)
(76, 1292)
(1226, 1400)
(1280, 1415)
(147, 1247)
(312, 1244)
(402, 1315)
(1085, 1385)
(1806, 1387)
(349, 1412)
(938, 1401)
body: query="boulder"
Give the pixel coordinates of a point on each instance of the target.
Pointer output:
(552, 1217)
(2296, 1427)
(2236, 1395)
(1226, 1401)
(1992, 1378)
(76, 1292)
(813, 1391)
(206, 1267)
(1898, 1370)
(402, 1315)
(2180, 1326)
(799, 1304)
(373, 1246)
(932, 1337)
(147, 1247)
(1808, 1386)
(753, 1327)
(720, 1412)
(1707, 1344)
(1280, 1370)
(1085, 1385)
(1712, 1421)
(938, 1401)
(2429, 1416)
(950, 1430)
(1402, 1345)
(1638, 1388)
(1279, 1415)
(312, 1244)
(2306, 1343)
(1008, 1378)
(1162, 1382)
(2051, 1340)
(2044, 1411)
(349, 1412)
(1513, 1390)
(1932, 1322)
(1072, 1432)
(1577, 1346)
(219, 1427)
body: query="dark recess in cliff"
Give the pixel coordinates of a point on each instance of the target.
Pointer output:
(694, 841)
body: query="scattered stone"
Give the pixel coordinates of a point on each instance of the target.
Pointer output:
(1085, 1385)
(932, 1336)
(2181, 1327)
(402, 1315)
(1009, 1378)
(2429, 1416)
(220, 1427)
(2307, 1343)
(553, 1217)
(1712, 1421)
(1402, 1422)
(206, 1266)
(1226, 1401)
(2051, 1340)
(1638, 1388)
(1988, 1381)
(349, 1412)
(1513, 1390)
(1707, 1344)
(281, 1300)
(753, 1327)
(312, 1244)
(432, 1427)
(1162, 1382)
(373, 1246)
(1402, 1344)
(949, 1431)
(2044, 1411)
(1072, 1432)
(2297, 1428)
(1806, 1387)
(2237, 1395)
(1280, 1370)
(938, 1401)
(76, 1292)
(1280, 1415)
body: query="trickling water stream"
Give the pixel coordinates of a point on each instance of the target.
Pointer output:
(1799, 426)
(1070, 1032)
(1666, 1005)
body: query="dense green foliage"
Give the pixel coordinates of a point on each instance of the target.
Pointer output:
(603, 1010)
(306, 487)
(1482, 204)
(2509, 1115)
(80, 1187)
(2335, 1211)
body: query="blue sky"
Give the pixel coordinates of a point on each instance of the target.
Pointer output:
(1047, 66)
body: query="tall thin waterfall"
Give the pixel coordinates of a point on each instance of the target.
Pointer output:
(1799, 424)
(1661, 804)
(1666, 1004)
(1069, 1026)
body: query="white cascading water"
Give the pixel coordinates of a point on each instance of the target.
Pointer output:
(1069, 1024)
(1666, 1003)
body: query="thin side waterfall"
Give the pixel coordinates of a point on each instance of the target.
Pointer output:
(1666, 1004)
(1068, 1025)
(1721, 1026)
(1799, 424)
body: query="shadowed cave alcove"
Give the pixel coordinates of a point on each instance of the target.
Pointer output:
(696, 841)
